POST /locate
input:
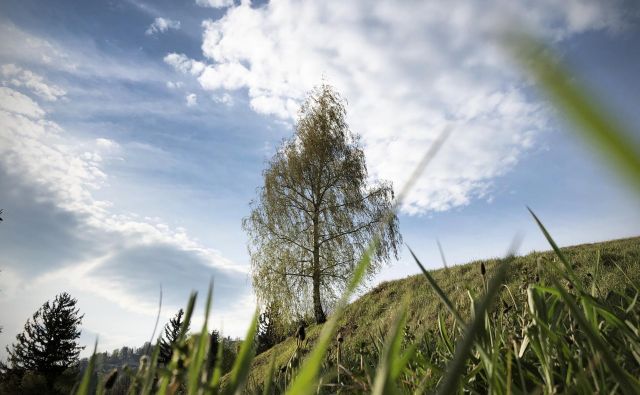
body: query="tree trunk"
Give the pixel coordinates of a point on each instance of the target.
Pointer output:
(317, 304)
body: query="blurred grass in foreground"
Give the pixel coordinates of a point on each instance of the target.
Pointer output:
(574, 101)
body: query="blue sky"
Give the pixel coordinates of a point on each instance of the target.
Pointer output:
(133, 136)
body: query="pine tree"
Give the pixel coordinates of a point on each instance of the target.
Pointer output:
(171, 334)
(214, 345)
(270, 327)
(48, 343)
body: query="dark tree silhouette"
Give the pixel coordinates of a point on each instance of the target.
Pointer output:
(214, 345)
(171, 334)
(266, 336)
(48, 343)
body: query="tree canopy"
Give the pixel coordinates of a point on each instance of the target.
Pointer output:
(48, 343)
(317, 212)
(170, 336)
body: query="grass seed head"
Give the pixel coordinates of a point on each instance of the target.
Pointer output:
(111, 379)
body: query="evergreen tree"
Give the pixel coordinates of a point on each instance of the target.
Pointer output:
(48, 343)
(270, 327)
(214, 345)
(171, 334)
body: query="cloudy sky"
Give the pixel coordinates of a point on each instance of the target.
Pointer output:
(133, 135)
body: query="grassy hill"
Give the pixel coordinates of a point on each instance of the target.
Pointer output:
(367, 320)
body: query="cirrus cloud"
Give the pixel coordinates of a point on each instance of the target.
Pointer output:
(161, 25)
(18, 77)
(59, 235)
(214, 3)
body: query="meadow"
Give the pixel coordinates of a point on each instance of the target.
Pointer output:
(558, 321)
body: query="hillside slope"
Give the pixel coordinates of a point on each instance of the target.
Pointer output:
(368, 318)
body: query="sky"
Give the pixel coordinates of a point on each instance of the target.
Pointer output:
(133, 135)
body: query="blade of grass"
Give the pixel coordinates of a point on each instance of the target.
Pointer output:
(444, 335)
(155, 326)
(187, 315)
(242, 364)
(565, 262)
(198, 356)
(597, 125)
(150, 373)
(269, 378)
(627, 383)
(443, 297)
(444, 260)
(456, 367)
(173, 364)
(384, 380)
(83, 389)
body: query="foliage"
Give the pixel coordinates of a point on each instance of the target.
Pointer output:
(47, 348)
(316, 213)
(48, 342)
(171, 333)
(271, 328)
(214, 345)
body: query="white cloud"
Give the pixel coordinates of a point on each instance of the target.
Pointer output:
(214, 3)
(225, 99)
(25, 47)
(63, 237)
(407, 71)
(161, 25)
(106, 143)
(15, 103)
(183, 64)
(174, 85)
(77, 55)
(18, 77)
(191, 99)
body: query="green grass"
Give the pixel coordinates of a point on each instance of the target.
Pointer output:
(548, 321)
(374, 313)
